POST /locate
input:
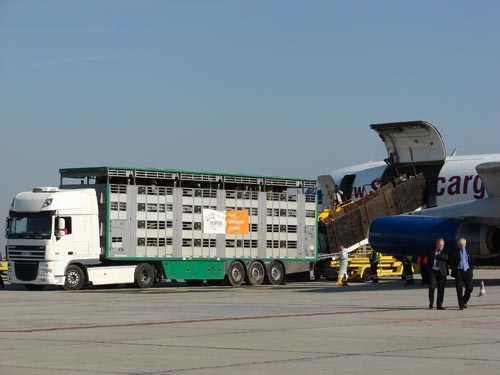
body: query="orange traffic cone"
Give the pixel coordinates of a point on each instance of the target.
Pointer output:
(344, 280)
(482, 290)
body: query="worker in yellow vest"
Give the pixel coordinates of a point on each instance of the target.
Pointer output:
(374, 261)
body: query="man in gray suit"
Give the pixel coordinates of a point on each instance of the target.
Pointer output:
(462, 264)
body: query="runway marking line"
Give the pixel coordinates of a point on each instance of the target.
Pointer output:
(418, 320)
(191, 321)
(188, 321)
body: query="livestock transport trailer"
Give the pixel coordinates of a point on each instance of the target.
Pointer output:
(115, 225)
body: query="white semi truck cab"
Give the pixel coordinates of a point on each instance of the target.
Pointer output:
(49, 228)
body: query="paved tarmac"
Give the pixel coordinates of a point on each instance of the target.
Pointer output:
(298, 328)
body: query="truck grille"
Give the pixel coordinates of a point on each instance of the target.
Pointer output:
(26, 252)
(26, 271)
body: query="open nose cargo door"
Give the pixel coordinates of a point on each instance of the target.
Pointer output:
(413, 147)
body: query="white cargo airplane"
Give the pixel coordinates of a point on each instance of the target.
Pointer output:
(476, 220)
(412, 147)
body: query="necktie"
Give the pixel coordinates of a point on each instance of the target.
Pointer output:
(465, 263)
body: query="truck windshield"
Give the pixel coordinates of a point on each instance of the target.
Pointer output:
(29, 226)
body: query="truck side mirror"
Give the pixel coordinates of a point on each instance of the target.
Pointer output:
(7, 225)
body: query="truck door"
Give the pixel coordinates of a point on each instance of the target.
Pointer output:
(64, 236)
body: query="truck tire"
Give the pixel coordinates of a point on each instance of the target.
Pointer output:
(235, 274)
(256, 273)
(74, 278)
(275, 273)
(144, 275)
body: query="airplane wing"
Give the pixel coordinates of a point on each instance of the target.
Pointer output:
(490, 175)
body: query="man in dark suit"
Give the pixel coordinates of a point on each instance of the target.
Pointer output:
(462, 265)
(438, 270)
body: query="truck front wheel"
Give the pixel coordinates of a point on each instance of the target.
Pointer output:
(75, 278)
(144, 275)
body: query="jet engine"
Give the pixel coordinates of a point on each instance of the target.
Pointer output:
(416, 235)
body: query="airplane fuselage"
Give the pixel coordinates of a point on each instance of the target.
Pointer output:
(458, 180)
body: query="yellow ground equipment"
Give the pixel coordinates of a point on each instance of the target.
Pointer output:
(348, 224)
(3, 270)
(358, 267)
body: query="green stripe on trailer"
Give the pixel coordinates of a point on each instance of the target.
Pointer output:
(193, 269)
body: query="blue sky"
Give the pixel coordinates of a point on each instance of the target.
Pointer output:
(283, 88)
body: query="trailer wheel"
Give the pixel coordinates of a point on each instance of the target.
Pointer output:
(275, 273)
(144, 275)
(256, 273)
(367, 275)
(235, 274)
(75, 278)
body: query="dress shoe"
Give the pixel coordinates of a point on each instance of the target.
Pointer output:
(441, 308)
(460, 307)
(430, 307)
(465, 305)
